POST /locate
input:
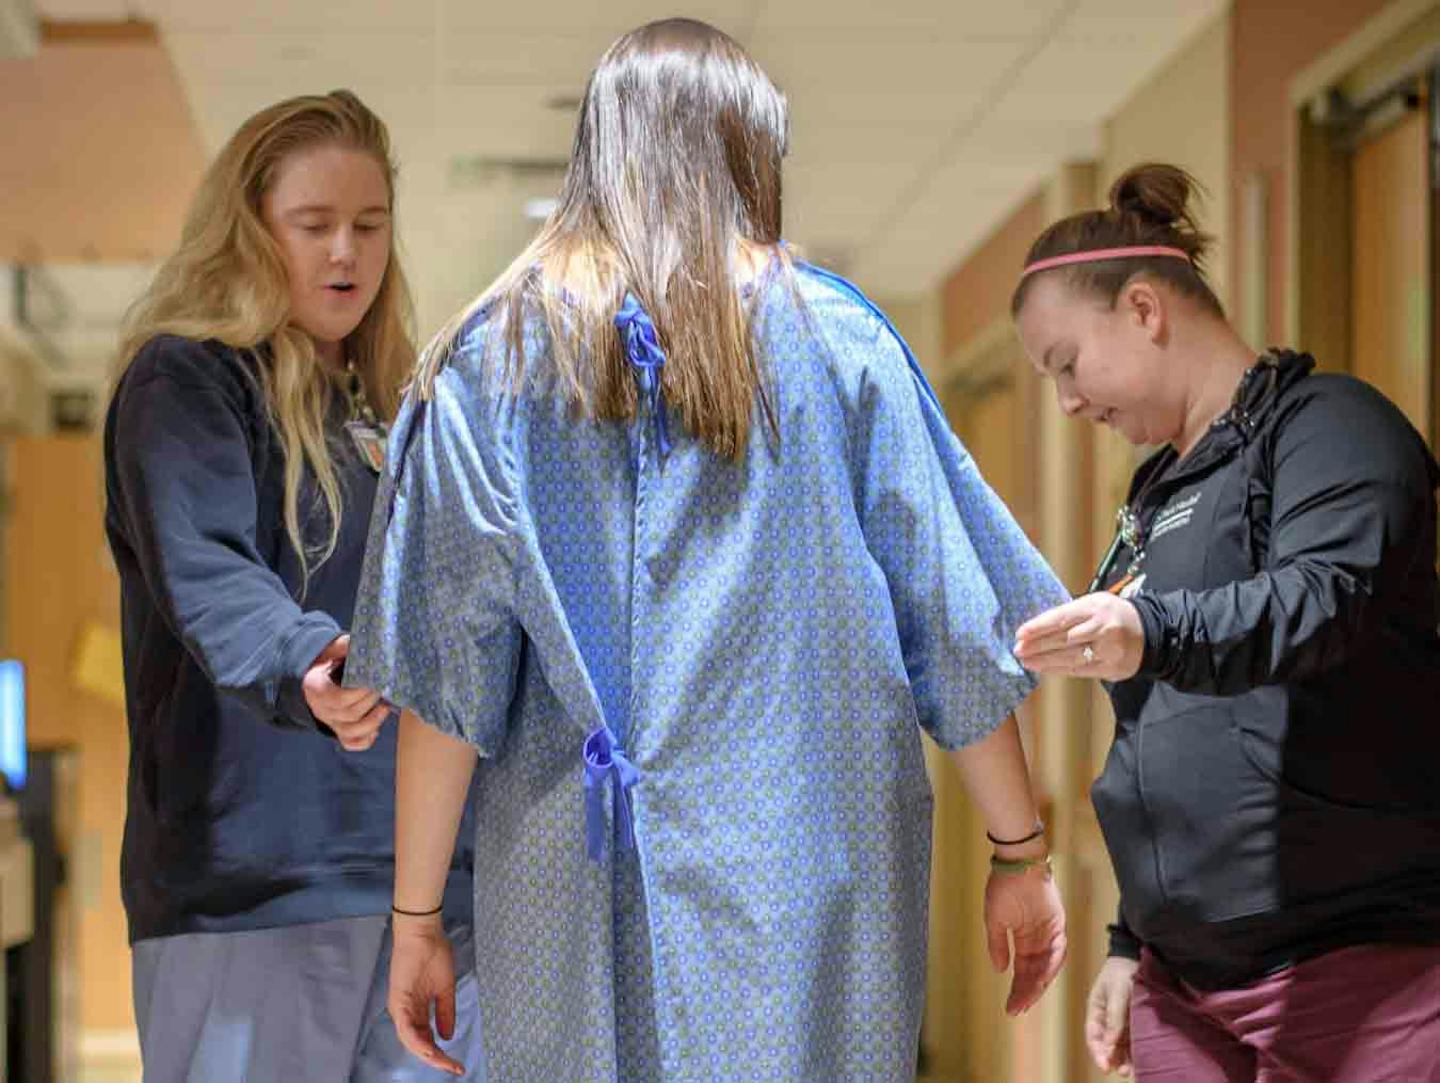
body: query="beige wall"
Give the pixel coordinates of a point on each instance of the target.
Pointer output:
(60, 594)
(22, 396)
(111, 155)
(1272, 42)
(1064, 480)
(1182, 116)
(977, 293)
(918, 321)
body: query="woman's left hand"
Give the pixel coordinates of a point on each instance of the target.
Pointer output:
(422, 977)
(1025, 908)
(1098, 635)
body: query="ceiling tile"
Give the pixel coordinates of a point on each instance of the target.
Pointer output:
(302, 63)
(886, 61)
(322, 17)
(955, 18)
(522, 57)
(612, 18)
(920, 100)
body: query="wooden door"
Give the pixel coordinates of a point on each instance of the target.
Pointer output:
(1391, 291)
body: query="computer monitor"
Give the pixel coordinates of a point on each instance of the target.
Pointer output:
(12, 722)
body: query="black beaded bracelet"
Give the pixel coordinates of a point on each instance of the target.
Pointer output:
(418, 913)
(1039, 830)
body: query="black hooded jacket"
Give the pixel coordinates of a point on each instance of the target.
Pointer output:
(1272, 790)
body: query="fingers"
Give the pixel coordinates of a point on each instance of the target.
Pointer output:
(337, 649)
(1117, 1013)
(337, 706)
(1084, 631)
(1057, 642)
(1117, 1027)
(1054, 621)
(1071, 660)
(412, 1024)
(411, 1016)
(1121, 1060)
(1107, 1020)
(361, 735)
(1038, 960)
(346, 704)
(1099, 1050)
(997, 938)
(1098, 1041)
(1087, 631)
(445, 1014)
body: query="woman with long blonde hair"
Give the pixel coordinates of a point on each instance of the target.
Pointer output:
(676, 542)
(242, 447)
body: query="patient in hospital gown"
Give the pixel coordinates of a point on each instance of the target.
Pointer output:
(762, 639)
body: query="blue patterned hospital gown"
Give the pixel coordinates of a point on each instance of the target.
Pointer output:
(762, 638)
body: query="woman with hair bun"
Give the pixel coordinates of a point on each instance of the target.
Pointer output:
(1266, 624)
(242, 450)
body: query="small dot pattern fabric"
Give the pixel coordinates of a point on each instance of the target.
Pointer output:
(764, 638)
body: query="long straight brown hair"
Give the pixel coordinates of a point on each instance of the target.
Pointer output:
(674, 175)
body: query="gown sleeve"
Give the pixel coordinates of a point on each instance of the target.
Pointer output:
(435, 628)
(961, 573)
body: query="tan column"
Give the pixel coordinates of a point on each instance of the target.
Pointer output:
(1064, 481)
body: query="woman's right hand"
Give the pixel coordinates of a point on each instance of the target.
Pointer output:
(355, 714)
(1107, 1015)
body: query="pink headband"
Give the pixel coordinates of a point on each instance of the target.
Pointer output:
(1094, 255)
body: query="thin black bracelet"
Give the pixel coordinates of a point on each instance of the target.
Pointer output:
(1039, 830)
(418, 913)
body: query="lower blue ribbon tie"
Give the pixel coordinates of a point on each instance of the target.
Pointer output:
(605, 759)
(642, 347)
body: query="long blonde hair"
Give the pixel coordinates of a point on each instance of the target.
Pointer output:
(676, 168)
(227, 281)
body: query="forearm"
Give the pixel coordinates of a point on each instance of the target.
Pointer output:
(183, 488)
(997, 780)
(432, 778)
(1284, 625)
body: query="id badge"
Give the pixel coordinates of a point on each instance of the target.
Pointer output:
(369, 443)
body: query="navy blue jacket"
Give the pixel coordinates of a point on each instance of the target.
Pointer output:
(243, 811)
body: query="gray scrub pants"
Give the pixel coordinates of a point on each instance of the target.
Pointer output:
(301, 1003)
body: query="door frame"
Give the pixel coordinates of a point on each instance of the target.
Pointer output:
(1333, 101)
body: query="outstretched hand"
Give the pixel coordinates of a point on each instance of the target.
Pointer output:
(1097, 635)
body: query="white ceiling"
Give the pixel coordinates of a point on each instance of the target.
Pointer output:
(916, 124)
